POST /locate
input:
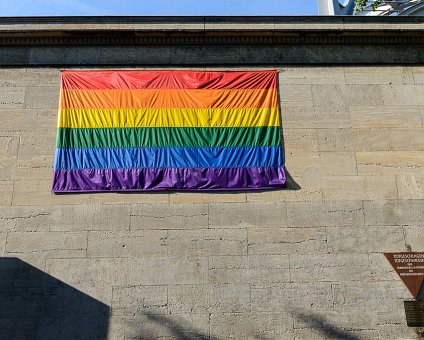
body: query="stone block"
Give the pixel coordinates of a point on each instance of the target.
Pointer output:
(374, 75)
(380, 187)
(390, 162)
(312, 75)
(272, 54)
(139, 243)
(251, 325)
(322, 163)
(62, 55)
(393, 116)
(365, 239)
(284, 296)
(410, 186)
(43, 97)
(329, 267)
(327, 213)
(165, 216)
(136, 300)
(202, 197)
(322, 117)
(6, 193)
(341, 188)
(407, 75)
(12, 97)
(418, 73)
(14, 55)
(397, 331)
(16, 120)
(89, 217)
(392, 212)
(197, 299)
(176, 326)
(335, 324)
(296, 141)
(24, 218)
(320, 333)
(134, 55)
(342, 96)
(381, 270)
(94, 277)
(413, 237)
(47, 244)
(207, 242)
(293, 95)
(259, 269)
(342, 140)
(402, 94)
(21, 77)
(167, 270)
(34, 144)
(268, 241)
(383, 298)
(202, 55)
(24, 192)
(3, 237)
(342, 54)
(9, 144)
(239, 215)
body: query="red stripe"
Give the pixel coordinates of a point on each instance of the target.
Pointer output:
(102, 80)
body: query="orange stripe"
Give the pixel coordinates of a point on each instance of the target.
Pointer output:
(168, 98)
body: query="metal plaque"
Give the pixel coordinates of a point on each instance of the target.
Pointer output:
(414, 311)
(410, 268)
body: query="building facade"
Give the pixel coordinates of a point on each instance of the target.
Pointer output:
(305, 262)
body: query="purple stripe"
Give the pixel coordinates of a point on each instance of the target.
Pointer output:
(90, 180)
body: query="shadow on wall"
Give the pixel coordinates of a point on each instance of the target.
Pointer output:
(151, 326)
(35, 305)
(323, 326)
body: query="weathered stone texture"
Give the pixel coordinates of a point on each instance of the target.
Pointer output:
(305, 262)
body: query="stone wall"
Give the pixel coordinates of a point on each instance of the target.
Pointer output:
(302, 263)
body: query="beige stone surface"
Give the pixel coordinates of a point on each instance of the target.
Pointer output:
(374, 75)
(390, 162)
(380, 187)
(282, 264)
(144, 243)
(392, 116)
(410, 186)
(262, 241)
(339, 188)
(3, 237)
(47, 244)
(6, 192)
(249, 269)
(164, 216)
(209, 242)
(28, 192)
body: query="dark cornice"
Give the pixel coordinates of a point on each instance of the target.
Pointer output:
(74, 31)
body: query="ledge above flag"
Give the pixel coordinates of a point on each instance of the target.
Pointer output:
(168, 130)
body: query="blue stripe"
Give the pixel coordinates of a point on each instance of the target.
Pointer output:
(168, 157)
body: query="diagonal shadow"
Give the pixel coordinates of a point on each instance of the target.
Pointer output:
(149, 326)
(35, 305)
(326, 328)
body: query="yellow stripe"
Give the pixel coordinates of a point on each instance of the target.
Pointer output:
(126, 118)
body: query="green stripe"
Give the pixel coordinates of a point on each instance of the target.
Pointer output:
(165, 136)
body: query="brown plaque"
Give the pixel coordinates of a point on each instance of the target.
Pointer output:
(410, 268)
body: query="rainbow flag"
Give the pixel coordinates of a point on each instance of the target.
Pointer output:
(158, 130)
